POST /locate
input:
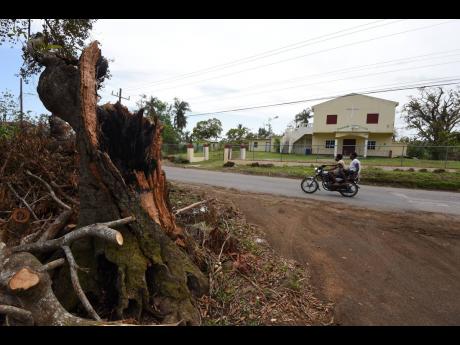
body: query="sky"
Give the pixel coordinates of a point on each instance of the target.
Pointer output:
(218, 65)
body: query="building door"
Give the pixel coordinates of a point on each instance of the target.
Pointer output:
(349, 146)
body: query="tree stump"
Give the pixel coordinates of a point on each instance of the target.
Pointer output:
(120, 176)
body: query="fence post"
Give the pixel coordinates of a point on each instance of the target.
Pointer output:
(402, 155)
(447, 155)
(281, 154)
(317, 153)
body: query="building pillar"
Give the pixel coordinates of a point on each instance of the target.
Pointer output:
(206, 152)
(365, 149)
(243, 152)
(335, 147)
(190, 153)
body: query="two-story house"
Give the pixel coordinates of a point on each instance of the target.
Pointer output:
(346, 124)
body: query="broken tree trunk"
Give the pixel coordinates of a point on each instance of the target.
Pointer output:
(120, 176)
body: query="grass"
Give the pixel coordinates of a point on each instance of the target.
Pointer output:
(449, 181)
(374, 161)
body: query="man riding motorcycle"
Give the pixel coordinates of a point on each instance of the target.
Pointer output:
(338, 169)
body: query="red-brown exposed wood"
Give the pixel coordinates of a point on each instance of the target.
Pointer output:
(88, 94)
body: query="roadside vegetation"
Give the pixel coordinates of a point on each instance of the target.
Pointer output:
(249, 283)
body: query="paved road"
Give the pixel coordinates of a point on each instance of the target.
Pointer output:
(368, 196)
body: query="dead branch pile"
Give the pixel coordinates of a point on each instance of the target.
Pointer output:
(249, 283)
(38, 212)
(38, 186)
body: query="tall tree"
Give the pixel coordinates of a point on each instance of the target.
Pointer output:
(237, 134)
(303, 118)
(180, 108)
(207, 129)
(434, 113)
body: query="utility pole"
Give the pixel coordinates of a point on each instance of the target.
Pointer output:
(20, 102)
(119, 96)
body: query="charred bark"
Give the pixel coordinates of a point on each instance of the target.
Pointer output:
(121, 176)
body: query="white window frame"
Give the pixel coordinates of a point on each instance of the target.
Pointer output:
(330, 143)
(371, 144)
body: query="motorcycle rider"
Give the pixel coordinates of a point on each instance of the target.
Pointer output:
(355, 165)
(338, 168)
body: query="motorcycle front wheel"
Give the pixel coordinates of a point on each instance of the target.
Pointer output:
(309, 185)
(352, 190)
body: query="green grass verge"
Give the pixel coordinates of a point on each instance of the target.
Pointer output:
(379, 161)
(449, 181)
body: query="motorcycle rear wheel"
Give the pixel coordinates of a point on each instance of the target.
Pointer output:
(351, 191)
(309, 185)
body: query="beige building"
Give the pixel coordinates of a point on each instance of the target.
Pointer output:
(351, 123)
(264, 144)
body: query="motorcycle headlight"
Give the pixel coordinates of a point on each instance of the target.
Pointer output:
(316, 169)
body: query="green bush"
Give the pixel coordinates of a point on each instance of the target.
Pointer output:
(7, 131)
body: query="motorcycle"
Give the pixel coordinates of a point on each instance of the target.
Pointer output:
(347, 186)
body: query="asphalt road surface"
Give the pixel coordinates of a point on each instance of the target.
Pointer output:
(378, 198)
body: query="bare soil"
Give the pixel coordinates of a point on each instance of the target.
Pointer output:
(378, 268)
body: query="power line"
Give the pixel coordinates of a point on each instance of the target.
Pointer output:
(345, 70)
(334, 80)
(271, 52)
(322, 98)
(309, 54)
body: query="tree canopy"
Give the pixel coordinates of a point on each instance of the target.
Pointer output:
(302, 118)
(237, 134)
(180, 108)
(263, 133)
(64, 37)
(8, 106)
(434, 113)
(207, 129)
(156, 107)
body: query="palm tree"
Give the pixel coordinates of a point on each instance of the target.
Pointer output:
(180, 108)
(303, 117)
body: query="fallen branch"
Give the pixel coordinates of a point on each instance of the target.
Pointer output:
(53, 195)
(100, 230)
(191, 206)
(76, 284)
(52, 265)
(57, 225)
(16, 312)
(64, 194)
(22, 200)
